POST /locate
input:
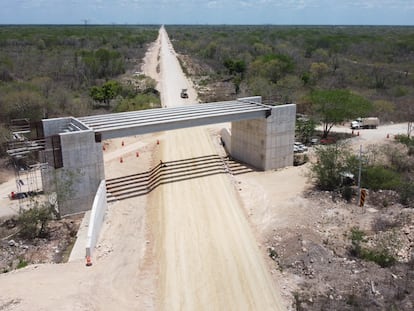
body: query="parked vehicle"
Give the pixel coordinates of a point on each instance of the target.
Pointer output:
(184, 93)
(365, 123)
(298, 147)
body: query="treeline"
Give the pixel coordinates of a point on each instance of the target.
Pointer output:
(48, 71)
(286, 63)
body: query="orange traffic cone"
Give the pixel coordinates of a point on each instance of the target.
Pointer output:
(121, 160)
(88, 261)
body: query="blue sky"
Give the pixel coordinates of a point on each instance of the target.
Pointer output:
(301, 12)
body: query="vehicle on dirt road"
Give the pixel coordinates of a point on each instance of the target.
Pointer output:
(365, 123)
(184, 93)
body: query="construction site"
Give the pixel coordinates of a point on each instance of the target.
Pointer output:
(187, 207)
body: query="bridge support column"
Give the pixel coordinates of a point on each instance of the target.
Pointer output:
(266, 143)
(75, 164)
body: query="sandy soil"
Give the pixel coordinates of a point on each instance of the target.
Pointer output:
(208, 256)
(197, 241)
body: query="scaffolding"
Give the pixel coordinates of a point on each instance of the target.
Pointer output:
(24, 149)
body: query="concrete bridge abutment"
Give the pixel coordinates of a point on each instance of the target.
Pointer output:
(75, 165)
(265, 143)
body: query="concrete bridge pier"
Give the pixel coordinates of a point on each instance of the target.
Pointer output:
(265, 143)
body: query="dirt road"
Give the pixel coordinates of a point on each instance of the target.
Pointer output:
(208, 256)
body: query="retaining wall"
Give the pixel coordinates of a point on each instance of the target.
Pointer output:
(96, 218)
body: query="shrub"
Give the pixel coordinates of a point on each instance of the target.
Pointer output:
(377, 177)
(406, 192)
(380, 255)
(404, 139)
(333, 161)
(22, 263)
(139, 102)
(357, 237)
(33, 222)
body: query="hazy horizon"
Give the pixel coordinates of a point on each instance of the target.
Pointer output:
(210, 12)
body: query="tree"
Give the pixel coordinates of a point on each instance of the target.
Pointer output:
(318, 70)
(106, 92)
(336, 106)
(235, 66)
(272, 66)
(305, 130)
(22, 102)
(33, 222)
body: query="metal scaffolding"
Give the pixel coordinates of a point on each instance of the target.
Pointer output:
(23, 149)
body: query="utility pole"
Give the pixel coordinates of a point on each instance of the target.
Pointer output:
(359, 174)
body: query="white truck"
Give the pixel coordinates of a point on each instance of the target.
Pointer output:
(365, 123)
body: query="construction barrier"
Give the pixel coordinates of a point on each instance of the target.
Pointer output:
(96, 220)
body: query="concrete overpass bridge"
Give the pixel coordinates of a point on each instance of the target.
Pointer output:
(124, 124)
(261, 135)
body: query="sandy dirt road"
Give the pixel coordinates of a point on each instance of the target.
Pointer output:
(208, 256)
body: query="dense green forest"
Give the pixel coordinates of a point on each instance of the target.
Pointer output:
(287, 63)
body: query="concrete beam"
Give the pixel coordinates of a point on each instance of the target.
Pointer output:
(124, 131)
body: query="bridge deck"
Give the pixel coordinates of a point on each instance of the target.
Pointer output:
(161, 119)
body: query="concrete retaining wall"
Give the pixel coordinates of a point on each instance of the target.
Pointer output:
(96, 218)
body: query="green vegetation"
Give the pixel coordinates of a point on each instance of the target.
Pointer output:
(105, 93)
(336, 106)
(380, 254)
(333, 161)
(305, 130)
(33, 222)
(377, 177)
(22, 263)
(382, 169)
(139, 102)
(50, 71)
(288, 63)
